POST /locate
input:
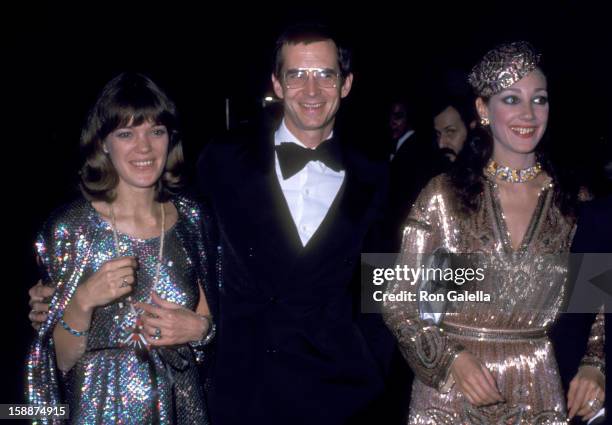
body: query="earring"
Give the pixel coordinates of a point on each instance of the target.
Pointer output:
(484, 121)
(105, 149)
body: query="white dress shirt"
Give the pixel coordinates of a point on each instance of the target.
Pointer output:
(310, 192)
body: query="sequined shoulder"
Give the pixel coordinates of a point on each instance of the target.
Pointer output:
(441, 184)
(438, 192)
(68, 216)
(63, 240)
(189, 208)
(76, 208)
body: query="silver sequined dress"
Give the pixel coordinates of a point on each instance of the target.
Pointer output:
(112, 383)
(527, 286)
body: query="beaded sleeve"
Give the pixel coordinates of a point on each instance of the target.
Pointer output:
(194, 213)
(63, 252)
(424, 346)
(595, 354)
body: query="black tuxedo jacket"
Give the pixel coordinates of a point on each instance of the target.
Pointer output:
(412, 166)
(289, 350)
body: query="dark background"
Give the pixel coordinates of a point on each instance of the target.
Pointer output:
(58, 58)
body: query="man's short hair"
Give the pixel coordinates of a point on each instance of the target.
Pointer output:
(307, 33)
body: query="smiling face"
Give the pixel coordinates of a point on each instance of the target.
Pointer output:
(451, 131)
(309, 111)
(518, 117)
(138, 153)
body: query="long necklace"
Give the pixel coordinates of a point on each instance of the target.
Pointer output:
(513, 175)
(135, 337)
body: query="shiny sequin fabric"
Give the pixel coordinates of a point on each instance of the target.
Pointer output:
(503, 66)
(508, 334)
(112, 383)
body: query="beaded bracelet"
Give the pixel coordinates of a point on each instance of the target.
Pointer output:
(212, 330)
(71, 330)
(198, 346)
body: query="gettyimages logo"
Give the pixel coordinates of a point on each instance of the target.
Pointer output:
(576, 283)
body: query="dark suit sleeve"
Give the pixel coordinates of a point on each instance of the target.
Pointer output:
(375, 239)
(381, 342)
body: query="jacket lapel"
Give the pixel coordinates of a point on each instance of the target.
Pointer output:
(344, 220)
(259, 194)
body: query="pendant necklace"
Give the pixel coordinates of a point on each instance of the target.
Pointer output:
(135, 337)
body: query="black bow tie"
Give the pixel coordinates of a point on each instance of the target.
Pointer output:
(293, 158)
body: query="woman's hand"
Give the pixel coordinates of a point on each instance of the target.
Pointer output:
(113, 280)
(39, 296)
(587, 385)
(474, 380)
(176, 324)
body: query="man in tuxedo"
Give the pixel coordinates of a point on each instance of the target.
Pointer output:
(293, 204)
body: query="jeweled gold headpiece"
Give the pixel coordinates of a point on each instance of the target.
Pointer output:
(502, 67)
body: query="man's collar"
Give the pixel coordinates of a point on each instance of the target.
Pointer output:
(402, 139)
(284, 135)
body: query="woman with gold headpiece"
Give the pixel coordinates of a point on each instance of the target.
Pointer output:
(505, 210)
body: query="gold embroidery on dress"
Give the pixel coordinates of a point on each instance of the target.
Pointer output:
(528, 288)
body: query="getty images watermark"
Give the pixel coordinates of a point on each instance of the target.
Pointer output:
(434, 276)
(568, 283)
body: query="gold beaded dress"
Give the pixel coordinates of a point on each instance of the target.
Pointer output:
(527, 287)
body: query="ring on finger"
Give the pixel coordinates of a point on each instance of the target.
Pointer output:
(595, 404)
(124, 283)
(157, 334)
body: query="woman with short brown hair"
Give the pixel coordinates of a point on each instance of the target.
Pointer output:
(130, 314)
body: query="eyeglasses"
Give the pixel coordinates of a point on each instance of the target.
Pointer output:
(324, 77)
